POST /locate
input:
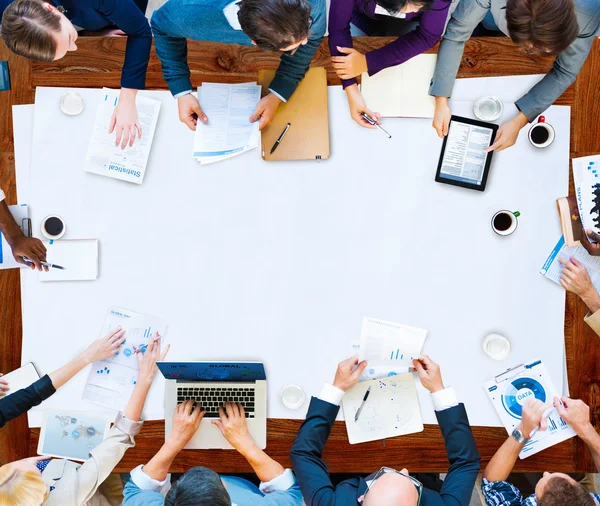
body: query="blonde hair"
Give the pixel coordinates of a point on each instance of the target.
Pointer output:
(18, 488)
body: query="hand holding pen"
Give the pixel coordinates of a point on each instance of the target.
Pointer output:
(47, 265)
(373, 122)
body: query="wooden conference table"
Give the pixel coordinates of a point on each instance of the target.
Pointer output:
(98, 63)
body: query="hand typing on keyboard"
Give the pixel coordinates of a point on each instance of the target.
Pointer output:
(233, 426)
(213, 398)
(186, 421)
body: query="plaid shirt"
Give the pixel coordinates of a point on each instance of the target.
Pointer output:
(501, 493)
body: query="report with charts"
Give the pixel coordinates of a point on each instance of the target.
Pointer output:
(111, 381)
(106, 159)
(586, 178)
(510, 390)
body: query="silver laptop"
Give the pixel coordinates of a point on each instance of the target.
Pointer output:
(211, 384)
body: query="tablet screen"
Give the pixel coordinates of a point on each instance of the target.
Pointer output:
(465, 157)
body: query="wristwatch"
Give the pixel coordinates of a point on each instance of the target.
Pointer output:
(519, 436)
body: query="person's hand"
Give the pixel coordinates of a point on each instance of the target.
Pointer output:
(441, 116)
(429, 373)
(508, 132)
(233, 426)
(575, 278)
(357, 105)
(593, 248)
(186, 421)
(190, 111)
(30, 247)
(575, 412)
(148, 358)
(125, 119)
(104, 347)
(531, 416)
(3, 386)
(348, 372)
(351, 65)
(265, 110)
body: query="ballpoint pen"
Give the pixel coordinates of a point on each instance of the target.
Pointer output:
(280, 138)
(546, 414)
(46, 264)
(144, 346)
(371, 121)
(362, 404)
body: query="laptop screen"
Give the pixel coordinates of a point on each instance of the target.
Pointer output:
(213, 371)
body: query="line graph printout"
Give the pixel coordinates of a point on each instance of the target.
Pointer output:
(111, 381)
(384, 343)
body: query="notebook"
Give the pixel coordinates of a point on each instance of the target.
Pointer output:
(308, 115)
(79, 258)
(21, 378)
(392, 409)
(403, 90)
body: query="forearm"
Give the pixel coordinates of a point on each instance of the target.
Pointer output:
(67, 371)
(264, 466)
(128, 95)
(8, 225)
(134, 407)
(592, 440)
(159, 465)
(591, 300)
(503, 461)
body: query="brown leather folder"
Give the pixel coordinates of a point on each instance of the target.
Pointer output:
(307, 111)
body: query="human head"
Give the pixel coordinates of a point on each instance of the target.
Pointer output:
(276, 25)
(558, 489)
(21, 484)
(542, 26)
(391, 489)
(405, 6)
(37, 30)
(198, 487)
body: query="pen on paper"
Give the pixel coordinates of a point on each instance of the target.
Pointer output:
(362, 404)
(45, 264)
(545, 415)
(144, 346)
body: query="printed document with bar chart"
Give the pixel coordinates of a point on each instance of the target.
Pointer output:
(111, 381)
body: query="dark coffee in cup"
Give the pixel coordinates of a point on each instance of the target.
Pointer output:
(54, 226)
(539, 134)
(503, 222)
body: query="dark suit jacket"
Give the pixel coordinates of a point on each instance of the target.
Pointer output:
(313, 476)
(23, 400)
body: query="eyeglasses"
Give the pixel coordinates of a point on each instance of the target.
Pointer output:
(292, 52)
(418, 485)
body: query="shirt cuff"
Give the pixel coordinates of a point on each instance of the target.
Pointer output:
(182, 94)
(277, 95)
(281, 483)
(127, 426)
(144, 482)
(444, 399)
(2, 196)
(331, 394)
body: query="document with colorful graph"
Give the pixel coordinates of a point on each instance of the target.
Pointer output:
(509, 392)
(111, 381)
(384, 343)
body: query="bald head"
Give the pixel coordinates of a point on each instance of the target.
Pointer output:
(392, 489)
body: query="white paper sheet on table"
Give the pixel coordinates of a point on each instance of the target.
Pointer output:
(106, 159)
(79, 257)
(110, 382)
(390, 344)
(375, 372)
(20, 214)
(552, 268)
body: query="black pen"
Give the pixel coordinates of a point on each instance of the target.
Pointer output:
(278, 141)
(362, 404)
(371, 121)
(45, 264)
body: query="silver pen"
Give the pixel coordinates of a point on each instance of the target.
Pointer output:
(371, 121)
(362, 404)
(144, 346)
(46, 264)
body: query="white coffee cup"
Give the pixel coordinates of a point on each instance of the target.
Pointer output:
(496, 346)
(545, 129)
(505, 222)
(293, 396)
(53, 227)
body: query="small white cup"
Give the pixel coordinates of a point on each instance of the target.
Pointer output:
(71, 103)
(53, 218)
(496, 346)
(502, 218)
(293, 396)
(541, 124)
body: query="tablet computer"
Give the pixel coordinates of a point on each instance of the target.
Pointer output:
(463, 161)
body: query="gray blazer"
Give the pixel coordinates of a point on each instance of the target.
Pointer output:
(566, 66)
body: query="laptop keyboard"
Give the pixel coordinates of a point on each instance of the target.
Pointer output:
(211, 399)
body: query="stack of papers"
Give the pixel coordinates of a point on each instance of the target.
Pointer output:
(106, 159)
(228, 131)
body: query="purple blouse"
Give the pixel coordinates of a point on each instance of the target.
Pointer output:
(362, 13)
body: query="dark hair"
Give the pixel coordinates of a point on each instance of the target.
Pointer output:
(275, 24)
(544, 26)
(200, 486)
(394, 6)
(27, 28)
(560, 492)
